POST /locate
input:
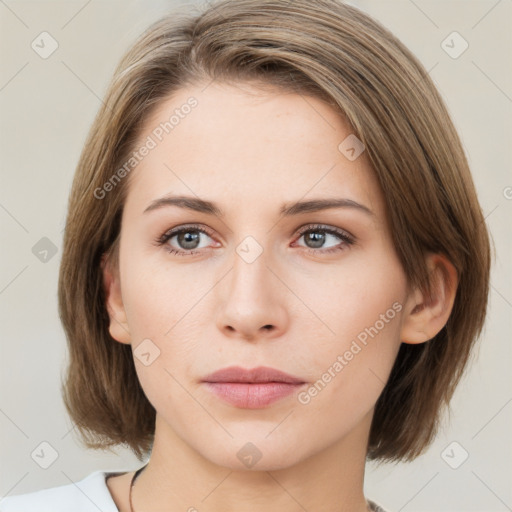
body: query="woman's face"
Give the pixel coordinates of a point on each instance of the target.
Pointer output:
(256, 279)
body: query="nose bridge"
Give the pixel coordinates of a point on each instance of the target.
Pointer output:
(250, 273)
(251, 301)
(251, 278)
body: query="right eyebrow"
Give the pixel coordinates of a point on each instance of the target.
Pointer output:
(189, 202)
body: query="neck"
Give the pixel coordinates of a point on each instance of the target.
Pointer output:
(178, 477)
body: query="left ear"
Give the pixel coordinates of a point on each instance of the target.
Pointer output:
(425, 315)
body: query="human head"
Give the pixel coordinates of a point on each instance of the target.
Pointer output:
(321, 50)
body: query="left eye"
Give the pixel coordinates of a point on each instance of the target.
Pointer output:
(316, 237)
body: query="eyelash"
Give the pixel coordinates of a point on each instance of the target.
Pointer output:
(345, 237)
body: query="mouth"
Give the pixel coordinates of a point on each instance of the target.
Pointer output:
(252, 389)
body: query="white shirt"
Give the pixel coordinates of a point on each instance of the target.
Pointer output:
(90, 494)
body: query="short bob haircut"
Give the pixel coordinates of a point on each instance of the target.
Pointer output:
(330, 51)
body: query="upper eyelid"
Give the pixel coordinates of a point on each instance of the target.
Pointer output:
(323, 227)
(191, 227)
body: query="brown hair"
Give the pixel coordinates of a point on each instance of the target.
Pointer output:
(340, 55)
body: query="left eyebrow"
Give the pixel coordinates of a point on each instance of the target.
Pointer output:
(316, 205)
(287, 210)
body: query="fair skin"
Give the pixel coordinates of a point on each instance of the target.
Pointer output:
(296, 307)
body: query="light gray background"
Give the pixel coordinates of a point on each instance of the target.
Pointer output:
(46, 108)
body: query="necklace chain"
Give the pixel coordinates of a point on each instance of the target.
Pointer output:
(137, 473)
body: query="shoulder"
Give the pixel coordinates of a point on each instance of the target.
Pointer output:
(90, 494)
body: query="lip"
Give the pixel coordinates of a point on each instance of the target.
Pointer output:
(254, 375)
(252, 389)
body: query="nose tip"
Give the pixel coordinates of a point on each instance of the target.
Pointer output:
(250, 302)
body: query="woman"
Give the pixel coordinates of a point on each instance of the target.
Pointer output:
(275, 264)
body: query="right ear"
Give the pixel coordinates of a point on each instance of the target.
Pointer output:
(118, 326)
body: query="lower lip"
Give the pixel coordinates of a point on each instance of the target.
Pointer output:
(252, 396)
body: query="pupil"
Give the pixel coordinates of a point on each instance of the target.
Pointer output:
(317, 238)
(187, 238)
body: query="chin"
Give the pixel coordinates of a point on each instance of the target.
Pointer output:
(253, 453)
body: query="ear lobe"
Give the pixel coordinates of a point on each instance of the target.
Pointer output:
(118, 326)
(426, 314)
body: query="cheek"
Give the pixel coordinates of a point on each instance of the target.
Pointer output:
(161, 308)
(160, 297)
(350, 375)
(363, 313)
(348, 300)
(166, 343)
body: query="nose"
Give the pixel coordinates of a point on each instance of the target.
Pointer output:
(251, 301)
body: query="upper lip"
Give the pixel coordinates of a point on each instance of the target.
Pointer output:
(255, 375)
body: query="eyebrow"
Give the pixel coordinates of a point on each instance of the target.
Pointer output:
(287, 210)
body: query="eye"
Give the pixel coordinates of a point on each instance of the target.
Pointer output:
(327, 238)
(184, 240)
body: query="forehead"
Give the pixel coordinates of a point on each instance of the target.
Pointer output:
(241, 144)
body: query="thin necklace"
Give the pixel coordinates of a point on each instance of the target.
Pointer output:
(137, 473)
